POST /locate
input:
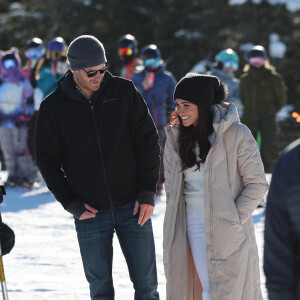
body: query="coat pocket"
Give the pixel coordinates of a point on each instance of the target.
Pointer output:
(227, 238)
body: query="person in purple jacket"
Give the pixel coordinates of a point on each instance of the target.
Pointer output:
(15, 113)
(156, 85)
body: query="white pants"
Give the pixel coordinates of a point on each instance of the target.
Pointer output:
(18, 161)
(196, 235)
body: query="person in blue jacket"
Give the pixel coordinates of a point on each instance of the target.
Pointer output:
(157, 86)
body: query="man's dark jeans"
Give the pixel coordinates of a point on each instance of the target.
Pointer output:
(137, 243)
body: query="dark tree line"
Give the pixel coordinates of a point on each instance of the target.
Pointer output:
(186, 31)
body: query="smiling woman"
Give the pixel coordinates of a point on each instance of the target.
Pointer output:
(214, 181)
(188, 112)
(196, 120)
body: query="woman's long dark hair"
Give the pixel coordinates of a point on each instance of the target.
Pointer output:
(190, 136)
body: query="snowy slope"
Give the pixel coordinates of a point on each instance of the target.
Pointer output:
(45, 263)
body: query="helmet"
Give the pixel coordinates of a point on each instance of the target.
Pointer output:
(256, 51)
(34, 48)
(127, 48)
(257, 56)
(34, 43)
(56, 48)
(228, 58)
(151, 56)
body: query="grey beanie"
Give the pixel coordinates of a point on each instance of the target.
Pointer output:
(86, 51)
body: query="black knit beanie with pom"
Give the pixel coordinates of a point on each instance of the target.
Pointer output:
(200, 89)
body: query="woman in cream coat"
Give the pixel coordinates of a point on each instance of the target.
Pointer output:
(234, 184)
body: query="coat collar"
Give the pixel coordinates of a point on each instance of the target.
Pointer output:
(68, 86)
(225, 115)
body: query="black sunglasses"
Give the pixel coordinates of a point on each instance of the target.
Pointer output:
(94, 73)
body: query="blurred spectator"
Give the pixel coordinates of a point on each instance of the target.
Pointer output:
(35, 50)
(227, 62)
(156, 86)
(51, 66)
(262, 94)
(128, 52)
(282, 228)
(15, 113)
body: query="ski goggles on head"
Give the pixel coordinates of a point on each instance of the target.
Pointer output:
(230, 64)
(9, 63)
(33, 53)
(257, 61)
(94, 72)
(125, 51)
(152, 62)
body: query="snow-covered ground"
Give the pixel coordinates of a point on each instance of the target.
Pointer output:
(45, 262)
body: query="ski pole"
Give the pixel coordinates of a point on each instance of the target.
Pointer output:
(258, 139)
(2, 275)
(258, 136)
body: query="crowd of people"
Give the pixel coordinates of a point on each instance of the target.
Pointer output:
(106, 145)
(258, 96)
(22, 89)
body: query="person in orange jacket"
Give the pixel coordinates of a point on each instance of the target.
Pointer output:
(128, 53)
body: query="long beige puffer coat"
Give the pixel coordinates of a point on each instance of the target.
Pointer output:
(235, 184)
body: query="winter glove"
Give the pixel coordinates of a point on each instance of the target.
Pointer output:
(7, 237)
